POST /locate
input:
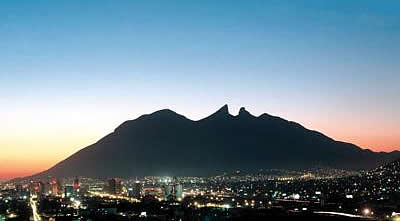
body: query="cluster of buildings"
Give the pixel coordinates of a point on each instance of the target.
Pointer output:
(53, 187)
(170, 190)
(370, 194)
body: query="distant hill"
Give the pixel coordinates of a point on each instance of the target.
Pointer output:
(166, 143)
(389, 170)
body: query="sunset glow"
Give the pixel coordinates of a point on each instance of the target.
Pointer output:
(41, 144)
(71, 73)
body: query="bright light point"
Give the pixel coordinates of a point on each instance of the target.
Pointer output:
(366, 211)
(349, 196)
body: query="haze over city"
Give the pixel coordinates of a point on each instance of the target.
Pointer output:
(71, 72)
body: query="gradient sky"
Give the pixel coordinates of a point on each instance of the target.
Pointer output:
(71, 71)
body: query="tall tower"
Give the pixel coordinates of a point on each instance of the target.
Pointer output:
(54, 186)
(178, 191)
(76, 185)
(137, 189)
(114, 186)
(174, 190)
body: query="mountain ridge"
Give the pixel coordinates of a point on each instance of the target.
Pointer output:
(167, 143)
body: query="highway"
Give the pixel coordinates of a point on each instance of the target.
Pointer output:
(36, 216)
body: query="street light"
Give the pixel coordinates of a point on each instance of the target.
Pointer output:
(366, 211)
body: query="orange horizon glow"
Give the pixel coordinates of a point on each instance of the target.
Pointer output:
(49, 143)
(26, 167)
(69, 75)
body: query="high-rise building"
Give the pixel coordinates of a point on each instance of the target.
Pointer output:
(173, 191)
(54, 186)
(135, 190)
(169, 192)
(36, 188)
(76, 185)
(45, 188)
(179, 191)
(68, 191)
(114, 186)
(18, 188)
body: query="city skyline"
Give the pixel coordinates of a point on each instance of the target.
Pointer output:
(72, 72)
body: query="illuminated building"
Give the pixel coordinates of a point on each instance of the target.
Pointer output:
(173, 192)
(46, 188)
(76, 185)
(19, 188)
(54, 186)
(157, 192)
(114, 186)
(169, 192)
(136, 190)
(179, 191)
(36, 188)
(68, 191)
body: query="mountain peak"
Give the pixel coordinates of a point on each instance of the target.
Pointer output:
(164, 112)
(220, 142)
(243, 112)
(223, 110)
(221, 113)
(159, 116)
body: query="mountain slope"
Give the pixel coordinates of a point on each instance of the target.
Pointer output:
(166, 143)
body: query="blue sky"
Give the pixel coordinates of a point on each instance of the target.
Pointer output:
(330, 65)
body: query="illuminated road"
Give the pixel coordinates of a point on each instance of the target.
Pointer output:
(341, 214)
(112, 196)
(36, 216)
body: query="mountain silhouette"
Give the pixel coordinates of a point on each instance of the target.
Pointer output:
(166, 143)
